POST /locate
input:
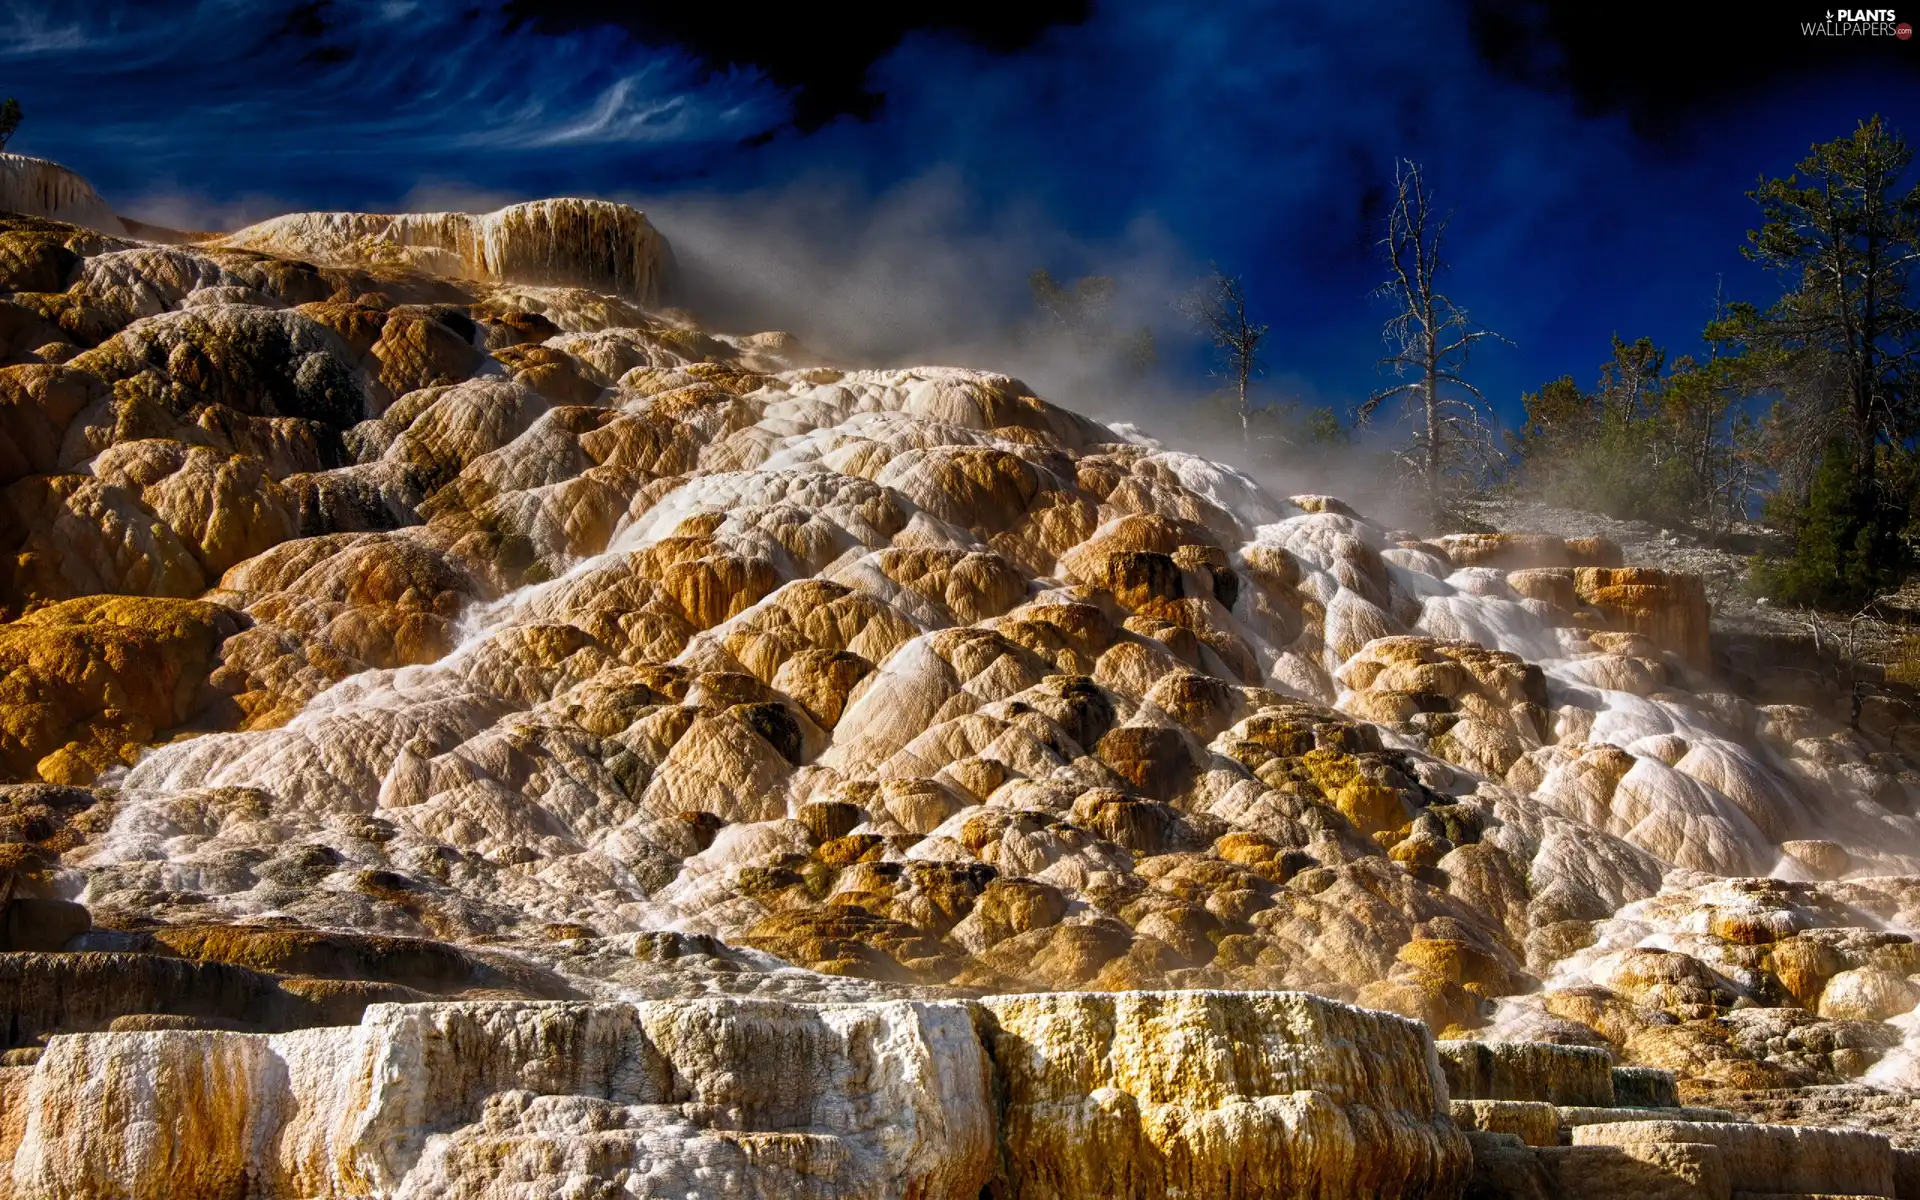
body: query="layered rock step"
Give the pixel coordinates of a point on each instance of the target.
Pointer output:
(1527, 1071)
(1752, 1159)
(1540, 1092)
(569, 242)
(1066, 1095)
(1528, 1142)
(250, 979)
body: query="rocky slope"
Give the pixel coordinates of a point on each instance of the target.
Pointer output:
(38, 188)
(577, 243)
(474, 733)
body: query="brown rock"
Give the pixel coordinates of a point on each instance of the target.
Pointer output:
(1822, 859)
(1008, 908)
(89, 682)
(1669, 608)
(43, 925)
(1155, 760)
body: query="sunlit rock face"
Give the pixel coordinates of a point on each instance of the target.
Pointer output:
(400, 610)
(1187, 1094)
(582, 243)
(35, 187)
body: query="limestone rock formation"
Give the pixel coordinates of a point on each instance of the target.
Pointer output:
(1215, 1094)
(89, 682)
(399, 610)
(571, 243)
(750, 1098)
(38, 188)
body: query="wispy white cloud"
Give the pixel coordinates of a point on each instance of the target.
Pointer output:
(394, 86)
(26, 32)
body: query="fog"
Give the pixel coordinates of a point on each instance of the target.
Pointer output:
(931, 272)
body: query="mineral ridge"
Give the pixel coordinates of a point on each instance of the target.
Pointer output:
(472, 732)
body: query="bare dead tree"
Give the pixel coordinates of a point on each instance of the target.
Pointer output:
(1218, 307)
(1853, 642)
(1429, 337)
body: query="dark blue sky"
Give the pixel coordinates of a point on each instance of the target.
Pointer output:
(1597, 187)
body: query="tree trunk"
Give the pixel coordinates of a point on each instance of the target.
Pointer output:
(1863, 437)
(1865, 369)
(1431, 397)
(1246, 427)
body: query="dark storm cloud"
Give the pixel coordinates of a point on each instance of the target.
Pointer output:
(799, 47)
(1669, 64)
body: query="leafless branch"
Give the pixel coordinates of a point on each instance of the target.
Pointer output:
(1218, 307)
(1429, 337)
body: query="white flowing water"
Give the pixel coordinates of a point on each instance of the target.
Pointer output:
(474, 757)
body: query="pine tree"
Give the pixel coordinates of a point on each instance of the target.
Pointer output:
(1845, 538)
(1839, 349)
(1078, 317)
(1649, 442)
(1844, 232)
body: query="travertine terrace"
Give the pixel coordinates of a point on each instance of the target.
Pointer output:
(472, 732)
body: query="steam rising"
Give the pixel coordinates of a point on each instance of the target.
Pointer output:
(1261, 143)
